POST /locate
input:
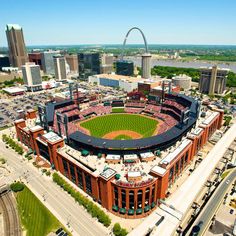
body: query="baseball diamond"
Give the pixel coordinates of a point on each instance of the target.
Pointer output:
(104, 126)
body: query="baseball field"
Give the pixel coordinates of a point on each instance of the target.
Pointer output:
(121, 126)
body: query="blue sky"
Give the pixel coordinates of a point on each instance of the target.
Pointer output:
(48, 22)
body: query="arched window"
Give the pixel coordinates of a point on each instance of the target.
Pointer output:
(123, 198)
(131, 199)
(153, 193)
(140, 198)
(147, 195)
(116, 196)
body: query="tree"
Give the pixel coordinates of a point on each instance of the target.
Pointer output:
(17, 187)
(118, 231)
(116, 228)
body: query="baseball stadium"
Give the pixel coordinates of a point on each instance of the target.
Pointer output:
(125, 153)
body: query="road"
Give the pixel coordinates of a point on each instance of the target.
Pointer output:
(54, 198)
(212, 206)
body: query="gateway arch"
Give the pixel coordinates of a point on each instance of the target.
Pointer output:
(146, 57)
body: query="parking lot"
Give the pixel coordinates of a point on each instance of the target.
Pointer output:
(15, 107)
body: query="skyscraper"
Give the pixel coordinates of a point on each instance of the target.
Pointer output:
(107, 63)
(60, 67)
(146, 65)
(213, 80)
(124, 67)
(31, 77)
(89, 64)
(16, 44)
(72, 61)
(47, 61)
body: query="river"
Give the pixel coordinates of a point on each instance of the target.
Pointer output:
(186, 64)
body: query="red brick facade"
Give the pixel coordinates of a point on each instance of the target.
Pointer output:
(126, 200)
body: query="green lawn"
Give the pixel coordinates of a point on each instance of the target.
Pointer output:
(35, 217)
(102, 125)
(122, 136)
(118, 110)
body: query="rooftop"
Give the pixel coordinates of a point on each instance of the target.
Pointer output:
(13, 26)
(119, 77)
(34, 128)
(108, 173)
(52, 137)
(210, 118)
(171, 156)
(13, 90)
(158, 170)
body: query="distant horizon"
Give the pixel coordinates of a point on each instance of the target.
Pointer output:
(128, 44)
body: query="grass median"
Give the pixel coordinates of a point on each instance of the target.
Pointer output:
(35, 217)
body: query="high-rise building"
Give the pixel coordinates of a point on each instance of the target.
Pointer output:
(146, 66)
(4, 61)
(60, 67)
(72, 61)
(107, 63)
(16, 44)
(47, 61)
(89, 64)
(124, 67)
(36, 57)
(213, 80)
(31, 77)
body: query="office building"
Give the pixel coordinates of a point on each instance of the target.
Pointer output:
(89, 64)
(127, 83)
(107, 63)
(31, 77)
(124, 67)
(60, 67)
(36, 57)
(72, 61)
(146, 66)
(47, 61)
(183, 81)
(16, 45)
(213, 80)
(145, 86)
(4, 61)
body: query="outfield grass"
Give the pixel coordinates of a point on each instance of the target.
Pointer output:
(122, 136)
(118, 110)
(35, 217)
(102, 125)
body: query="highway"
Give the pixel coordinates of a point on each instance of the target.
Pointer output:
(213, 204)
(54, 198)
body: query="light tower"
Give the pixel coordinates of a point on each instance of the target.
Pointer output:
(146, 65)
(146, 57)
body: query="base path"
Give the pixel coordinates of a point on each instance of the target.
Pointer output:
(130, 133)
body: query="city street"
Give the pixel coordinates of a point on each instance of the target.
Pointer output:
(62, 205)
(214, 203)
